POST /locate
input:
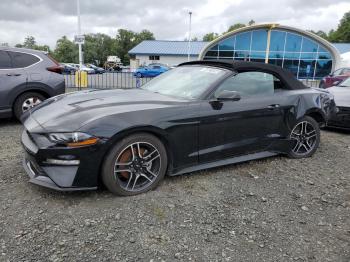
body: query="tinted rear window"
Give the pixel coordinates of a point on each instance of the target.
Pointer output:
(20, 60)
(5, 60)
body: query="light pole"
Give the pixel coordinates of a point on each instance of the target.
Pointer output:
(79, 35)
(189, 38)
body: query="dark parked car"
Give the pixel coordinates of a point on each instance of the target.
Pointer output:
(27, 77)
(68, 69)
(341, 94)
(150, 71)
(98, 70)
(199, 115)
(335, 78)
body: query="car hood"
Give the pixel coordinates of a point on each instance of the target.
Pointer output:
(341, 95)
(70, 112)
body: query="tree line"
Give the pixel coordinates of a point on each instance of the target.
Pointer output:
(98, 46)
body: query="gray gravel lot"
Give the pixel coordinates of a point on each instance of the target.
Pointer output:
(275, 209)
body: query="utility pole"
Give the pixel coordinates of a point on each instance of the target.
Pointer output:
(189, 37)
(79, 35)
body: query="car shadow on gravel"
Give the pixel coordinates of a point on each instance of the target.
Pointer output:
(9, 121)
(186, 181)
(338, 130)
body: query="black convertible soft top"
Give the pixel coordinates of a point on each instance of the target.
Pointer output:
(287, 77)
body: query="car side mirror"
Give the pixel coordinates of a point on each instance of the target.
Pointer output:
(226, 95)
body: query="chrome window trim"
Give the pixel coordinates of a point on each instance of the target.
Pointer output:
(14, 68)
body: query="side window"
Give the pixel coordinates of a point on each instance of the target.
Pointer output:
(249, 84)
(20, 60)
(5, 60)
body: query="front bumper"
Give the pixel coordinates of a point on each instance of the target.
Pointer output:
(42, 179)
(57, 177)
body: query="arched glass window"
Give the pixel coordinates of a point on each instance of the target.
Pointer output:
(302, 55)
(243, 41)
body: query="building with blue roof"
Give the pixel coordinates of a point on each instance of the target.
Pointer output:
(170, 53)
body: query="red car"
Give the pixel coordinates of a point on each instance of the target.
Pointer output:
(335, 78)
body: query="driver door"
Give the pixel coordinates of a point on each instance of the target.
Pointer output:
(233, 128)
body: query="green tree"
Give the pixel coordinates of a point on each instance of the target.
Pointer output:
(143, 35)
(210, 37)
(251, 22)
(126, 40)
(30, 43)
(66, 51)
(342, 34)
(320, 33)
(97, 47)
(235, 27)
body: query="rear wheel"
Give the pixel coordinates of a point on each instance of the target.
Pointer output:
(25, 102)
(305, 136)
(135, 165)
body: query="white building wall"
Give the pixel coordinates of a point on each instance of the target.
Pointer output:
(345, 60)
(167, 60)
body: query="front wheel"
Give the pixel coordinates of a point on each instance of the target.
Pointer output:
(305, 137)
(135, 165)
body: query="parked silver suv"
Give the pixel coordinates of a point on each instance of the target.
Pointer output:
(27, 77)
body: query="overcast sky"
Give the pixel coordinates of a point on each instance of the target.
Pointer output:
(48, 20)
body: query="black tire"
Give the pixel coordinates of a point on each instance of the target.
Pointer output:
(312, 137)
(110, 178)
(17, 107)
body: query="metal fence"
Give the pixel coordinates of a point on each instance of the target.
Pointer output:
(310, 83)
(108, 80)
(112, 80)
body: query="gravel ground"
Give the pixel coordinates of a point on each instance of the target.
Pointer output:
(275, 209)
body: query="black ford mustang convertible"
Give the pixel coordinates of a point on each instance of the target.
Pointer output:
(199, 115)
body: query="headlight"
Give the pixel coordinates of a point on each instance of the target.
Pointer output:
(75, 139)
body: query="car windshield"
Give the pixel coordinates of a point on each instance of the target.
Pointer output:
(188, 82)
(345, 83)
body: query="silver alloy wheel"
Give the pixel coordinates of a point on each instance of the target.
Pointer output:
(137, 166)
(30, 103)
(305, 136)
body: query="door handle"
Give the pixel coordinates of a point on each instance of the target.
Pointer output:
(274, 106)
(13, 74)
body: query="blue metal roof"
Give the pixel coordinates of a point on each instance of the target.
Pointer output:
(342, 47)
(163, 47)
